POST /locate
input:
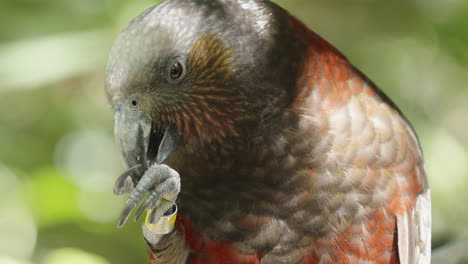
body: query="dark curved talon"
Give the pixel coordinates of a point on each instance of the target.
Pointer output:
(152, 217)
(126, 213)
(148, 204)
(120, 183)
(164, 208)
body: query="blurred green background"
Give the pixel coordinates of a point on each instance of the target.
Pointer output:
(58, 161)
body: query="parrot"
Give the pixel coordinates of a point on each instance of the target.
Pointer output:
(247, 138)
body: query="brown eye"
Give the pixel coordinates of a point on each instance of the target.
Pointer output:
(176, 70)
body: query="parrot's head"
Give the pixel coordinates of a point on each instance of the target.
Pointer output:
(190, 71)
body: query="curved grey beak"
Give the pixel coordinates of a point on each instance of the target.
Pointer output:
(132, 133)
(141, 144)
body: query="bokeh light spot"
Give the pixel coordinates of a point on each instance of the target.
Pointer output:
(72, 256)
(18, 230)
(100, 207)
(89, 158)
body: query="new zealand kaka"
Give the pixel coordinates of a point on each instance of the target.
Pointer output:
(263, 139)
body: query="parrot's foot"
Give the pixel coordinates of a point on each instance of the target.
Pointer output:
(162, 184)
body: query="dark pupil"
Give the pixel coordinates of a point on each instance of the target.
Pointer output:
(176, 70)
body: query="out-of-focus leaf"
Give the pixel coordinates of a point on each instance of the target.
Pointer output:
(10, 260)
(35, 62)
(52, 198)
(453, 253)
(72, 256)
(18, 230)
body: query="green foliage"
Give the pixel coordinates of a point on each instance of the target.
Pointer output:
(52, 198)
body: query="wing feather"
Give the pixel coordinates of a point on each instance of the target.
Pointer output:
(414, 232)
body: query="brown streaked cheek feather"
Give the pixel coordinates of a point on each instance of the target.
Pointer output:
(211, 107)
